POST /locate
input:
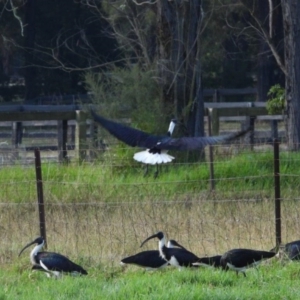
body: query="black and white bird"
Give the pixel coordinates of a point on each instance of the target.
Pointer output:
(177, 257)
(158, 145)
(51, 262)
(293, 250)
(240, 260)
(151, 259)
(151, 157)
(209, 261)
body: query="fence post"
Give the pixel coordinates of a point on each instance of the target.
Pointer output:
(94, 140)
(215, 122)
(274, 129)
(80, 135)
(277, 193)
(40, 195)
(211, 155)
(62, 136)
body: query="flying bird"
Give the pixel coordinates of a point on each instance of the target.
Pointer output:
(156, 157)
(51, 262)
(157, 145)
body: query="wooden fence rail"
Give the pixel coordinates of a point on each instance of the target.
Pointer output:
(58, 121)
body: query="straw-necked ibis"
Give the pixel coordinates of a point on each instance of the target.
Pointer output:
(157, 145)
(150, 259)
(291, 250)
(240, 260)
(177, 257)
(51, 262)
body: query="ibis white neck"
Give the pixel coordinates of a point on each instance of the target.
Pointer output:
(35, 251)
(171, 128)
(161, 245)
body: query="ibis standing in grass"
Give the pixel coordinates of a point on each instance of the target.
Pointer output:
(240, 260)
(51, 262)
(157, 146)
(177, 257)
(151, 259)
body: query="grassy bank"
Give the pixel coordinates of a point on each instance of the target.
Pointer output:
(98, 213)
(236, 175)
(273, 280)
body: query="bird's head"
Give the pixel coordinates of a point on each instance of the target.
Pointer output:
(39, 241)
(158, 235)
(172, 126)
(173, 243)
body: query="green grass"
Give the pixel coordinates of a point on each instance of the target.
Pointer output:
(271, 281)
(246, 172)
(97, 235)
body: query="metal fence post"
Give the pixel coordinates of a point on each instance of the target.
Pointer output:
(277, 193)
(40, 195)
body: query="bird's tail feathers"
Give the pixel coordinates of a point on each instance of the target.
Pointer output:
(152, 159)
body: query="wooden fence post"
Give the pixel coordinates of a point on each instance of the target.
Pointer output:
(40, 194)
(62, 137)
(215, 122)
(80, 135)
(211, 154)
(277, 193)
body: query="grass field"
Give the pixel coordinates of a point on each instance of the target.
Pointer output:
(273, 280)
(98, 213)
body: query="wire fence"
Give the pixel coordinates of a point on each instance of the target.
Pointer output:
(103, 219)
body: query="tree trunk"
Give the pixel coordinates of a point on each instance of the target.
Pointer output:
(291, 21)
(179, 68)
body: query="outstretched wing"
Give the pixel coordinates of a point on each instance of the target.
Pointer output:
(137, 138)
(128, 135)
(195, 143)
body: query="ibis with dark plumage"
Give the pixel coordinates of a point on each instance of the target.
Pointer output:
(177, 257)
(240, 260)
(151, 259)
(51, 262)
(291, 250)
(158, 145)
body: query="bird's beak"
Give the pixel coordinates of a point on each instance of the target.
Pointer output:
(174, 243)
(31, 243)
(149, 238)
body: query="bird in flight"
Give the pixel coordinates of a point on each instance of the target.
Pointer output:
(157, 145)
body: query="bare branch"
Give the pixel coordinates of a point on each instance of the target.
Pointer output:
(145, 2)
(14, 10)
(269, 41)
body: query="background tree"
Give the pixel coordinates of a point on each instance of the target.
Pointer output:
(291, 21)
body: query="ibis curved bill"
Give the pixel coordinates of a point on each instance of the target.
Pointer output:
(51, 262)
